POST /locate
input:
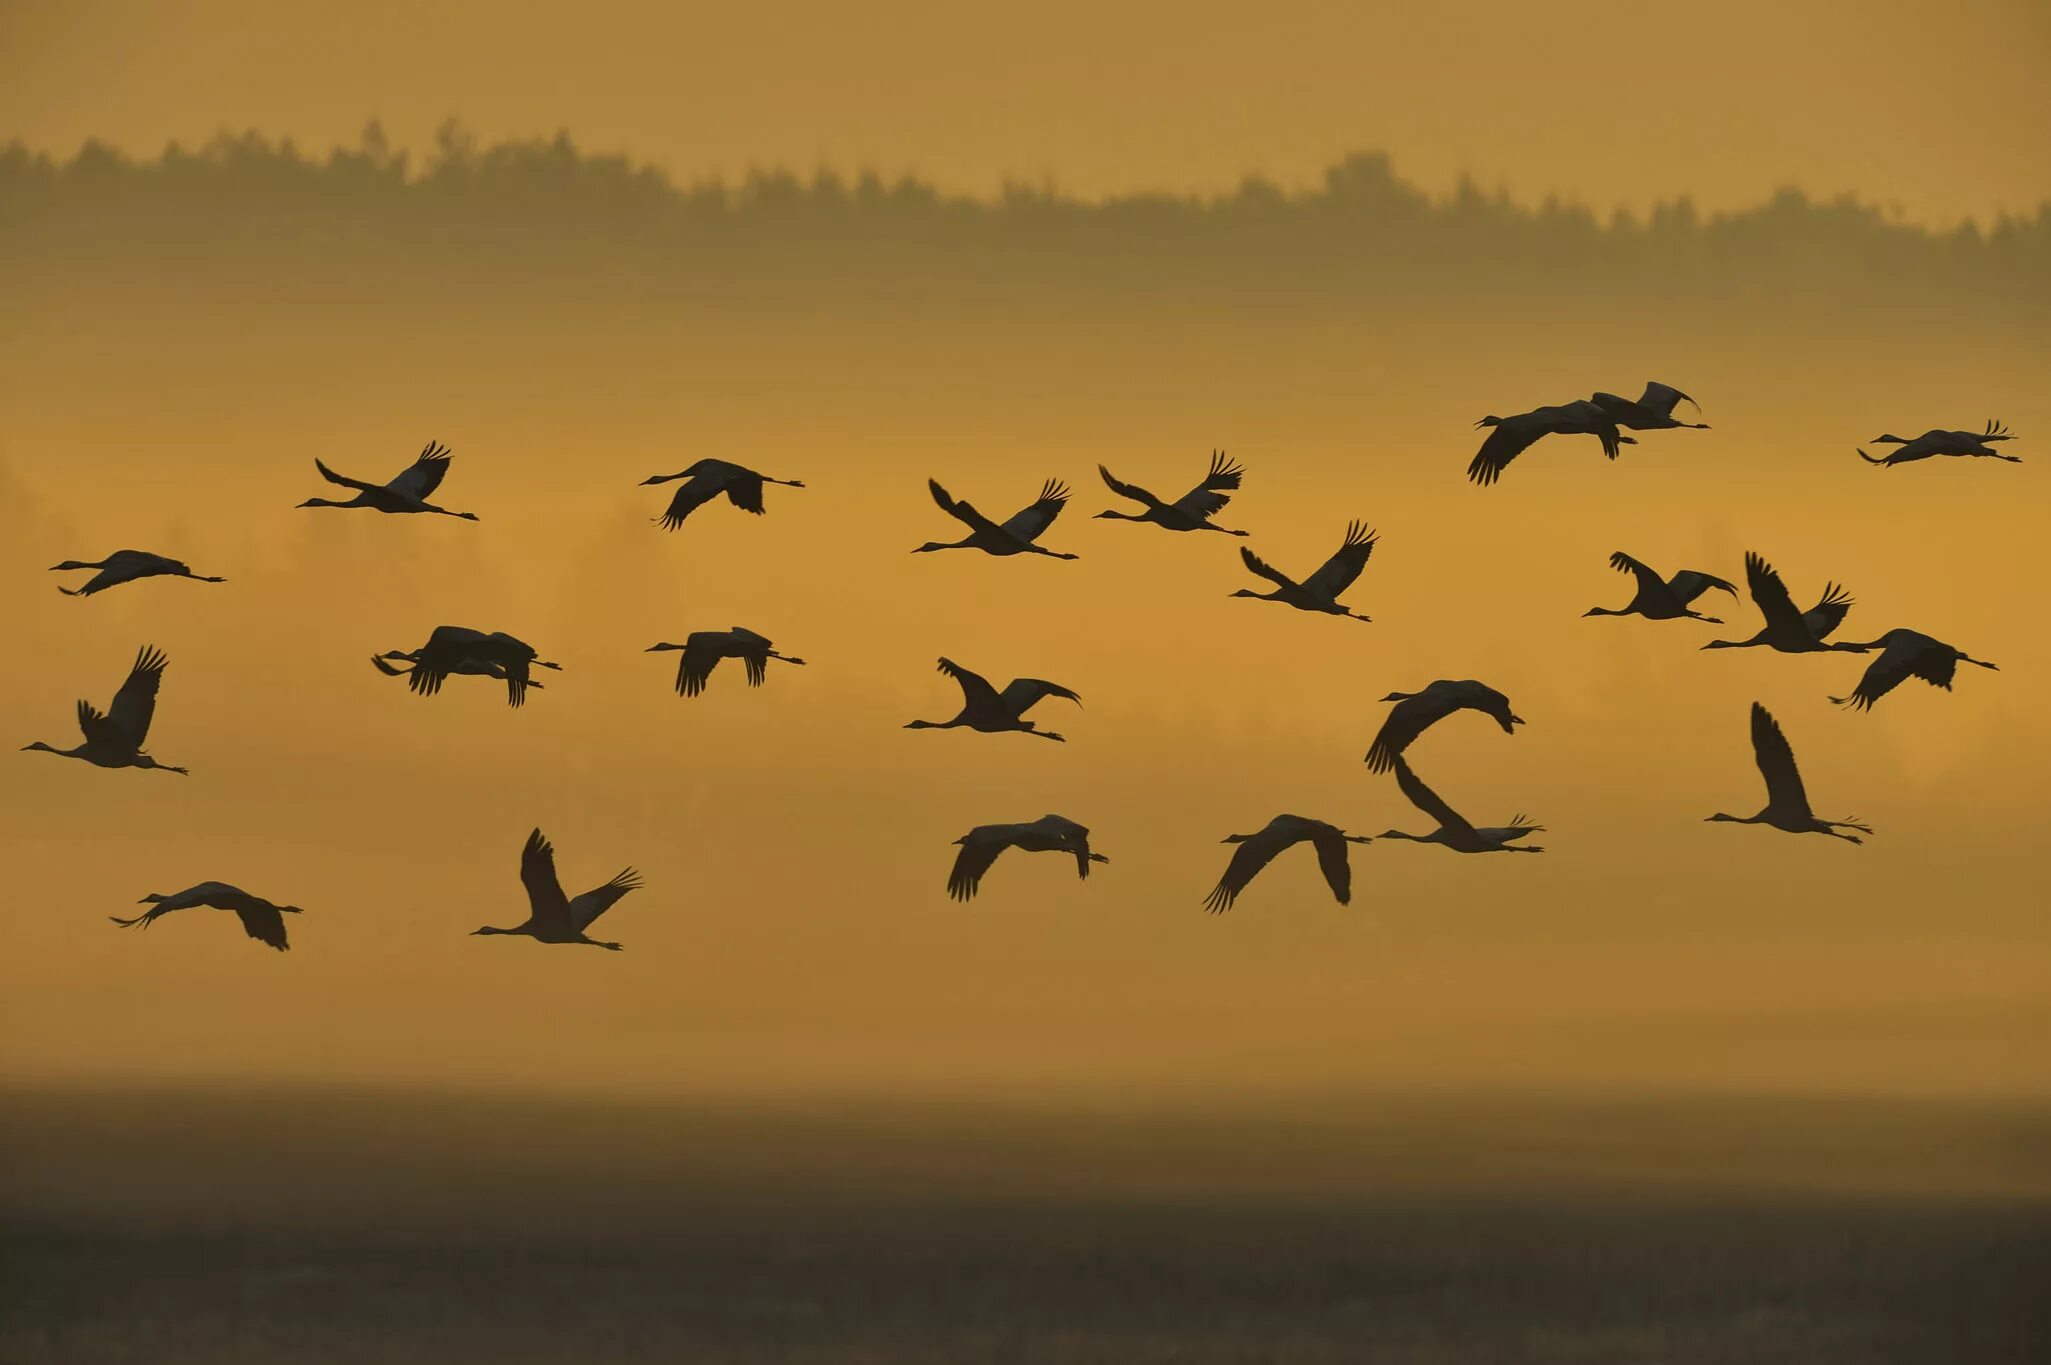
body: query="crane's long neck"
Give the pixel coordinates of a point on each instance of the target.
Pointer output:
(937, 724)
(1607, 611)
(1399, 834)
(78, 564)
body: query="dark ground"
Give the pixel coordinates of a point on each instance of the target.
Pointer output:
(405, 1231)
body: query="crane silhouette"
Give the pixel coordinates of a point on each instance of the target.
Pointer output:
(1048, 834)
(1514, 435)
(461, 650)
(261, 920)
(115, 739)
(1014, 536)
(1190, 512)
(1652, 410)
(1663, 599)
(1319, 592)
(1974, 444)
(1787, 803)
(1905, 654)
(1787, 630)
(552, 917)
(407, 491)
(1416, 712)
(125, 566)
(986, 709)
(706, 480)
(1257, 850)
(1453, 830)
(703, 649)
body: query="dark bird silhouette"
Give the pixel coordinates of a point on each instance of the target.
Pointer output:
(1514, 435)
(1788, 630)
(1905, 654)
(1453, 830)
(1319, 592)
(1014, 536)
(125, 566)
(408, 492)
(1787, 804)
(1048, 834)
(115, 740)
(984, 708)
(553, 918)
(706, 480)
(703, 649)
(1190, 512)
(1663, 599)
(1652, 410)
(1416, 712)
(1256, 851)
(461, 650)
(1979, 445)
(261, 920)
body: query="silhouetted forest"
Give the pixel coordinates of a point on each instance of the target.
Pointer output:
(1364, 233)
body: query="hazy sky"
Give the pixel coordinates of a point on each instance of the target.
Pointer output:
(1933, 105)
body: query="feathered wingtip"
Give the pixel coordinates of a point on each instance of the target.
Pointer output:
(1226, 472)
(1996, 432)
(1357, 534)
(1836, 595)
(1220, 900)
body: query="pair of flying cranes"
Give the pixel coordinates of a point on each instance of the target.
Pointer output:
(116, 738)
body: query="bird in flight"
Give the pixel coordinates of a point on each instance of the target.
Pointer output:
(1257, 850)
(461, 650)
(1663, 599)
(1652, 410)
(1514, 435)
(552, 917)
(115, 739)
(261, 920)
(125, 566)
(1416, 712)
(1788, 630)
(1453, 830)
(706, 480)
(1190, 512)
(407, 492)
(1787, 803)
(1978, 445)
(986, 709)
(703, 649)
(1905, 654)
(1048, 834)
(1013, 536)
(1319, 592)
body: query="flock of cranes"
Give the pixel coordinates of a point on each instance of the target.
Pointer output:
(117, 737)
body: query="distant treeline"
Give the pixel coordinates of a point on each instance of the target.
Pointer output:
(1364, 229)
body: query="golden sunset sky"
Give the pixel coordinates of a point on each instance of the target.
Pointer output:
(794, 935)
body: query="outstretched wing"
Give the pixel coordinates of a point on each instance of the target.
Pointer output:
(1406, 720)
(959, 509)
(419, 479)
(1897, 663)
(343, 479)
(544, 892)
(1264, 569)
(691, 494)
(599, 899)
(976, 691)
(1029, 523)
(1777, 763)
(262, 922)
(1332, 861)
(1689, 584)
(702, 653)
(1661, 398)
(1127, 490)
(1509, 439)
(1771, 595)
(136, 702)
(744, 491)
(757, 662)
(1829, 613)
(1427, 800)
(1020, 695)
(1208, 498)
(1247, 861)
(1336, 574)
(971, 863)
(1649, 582)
